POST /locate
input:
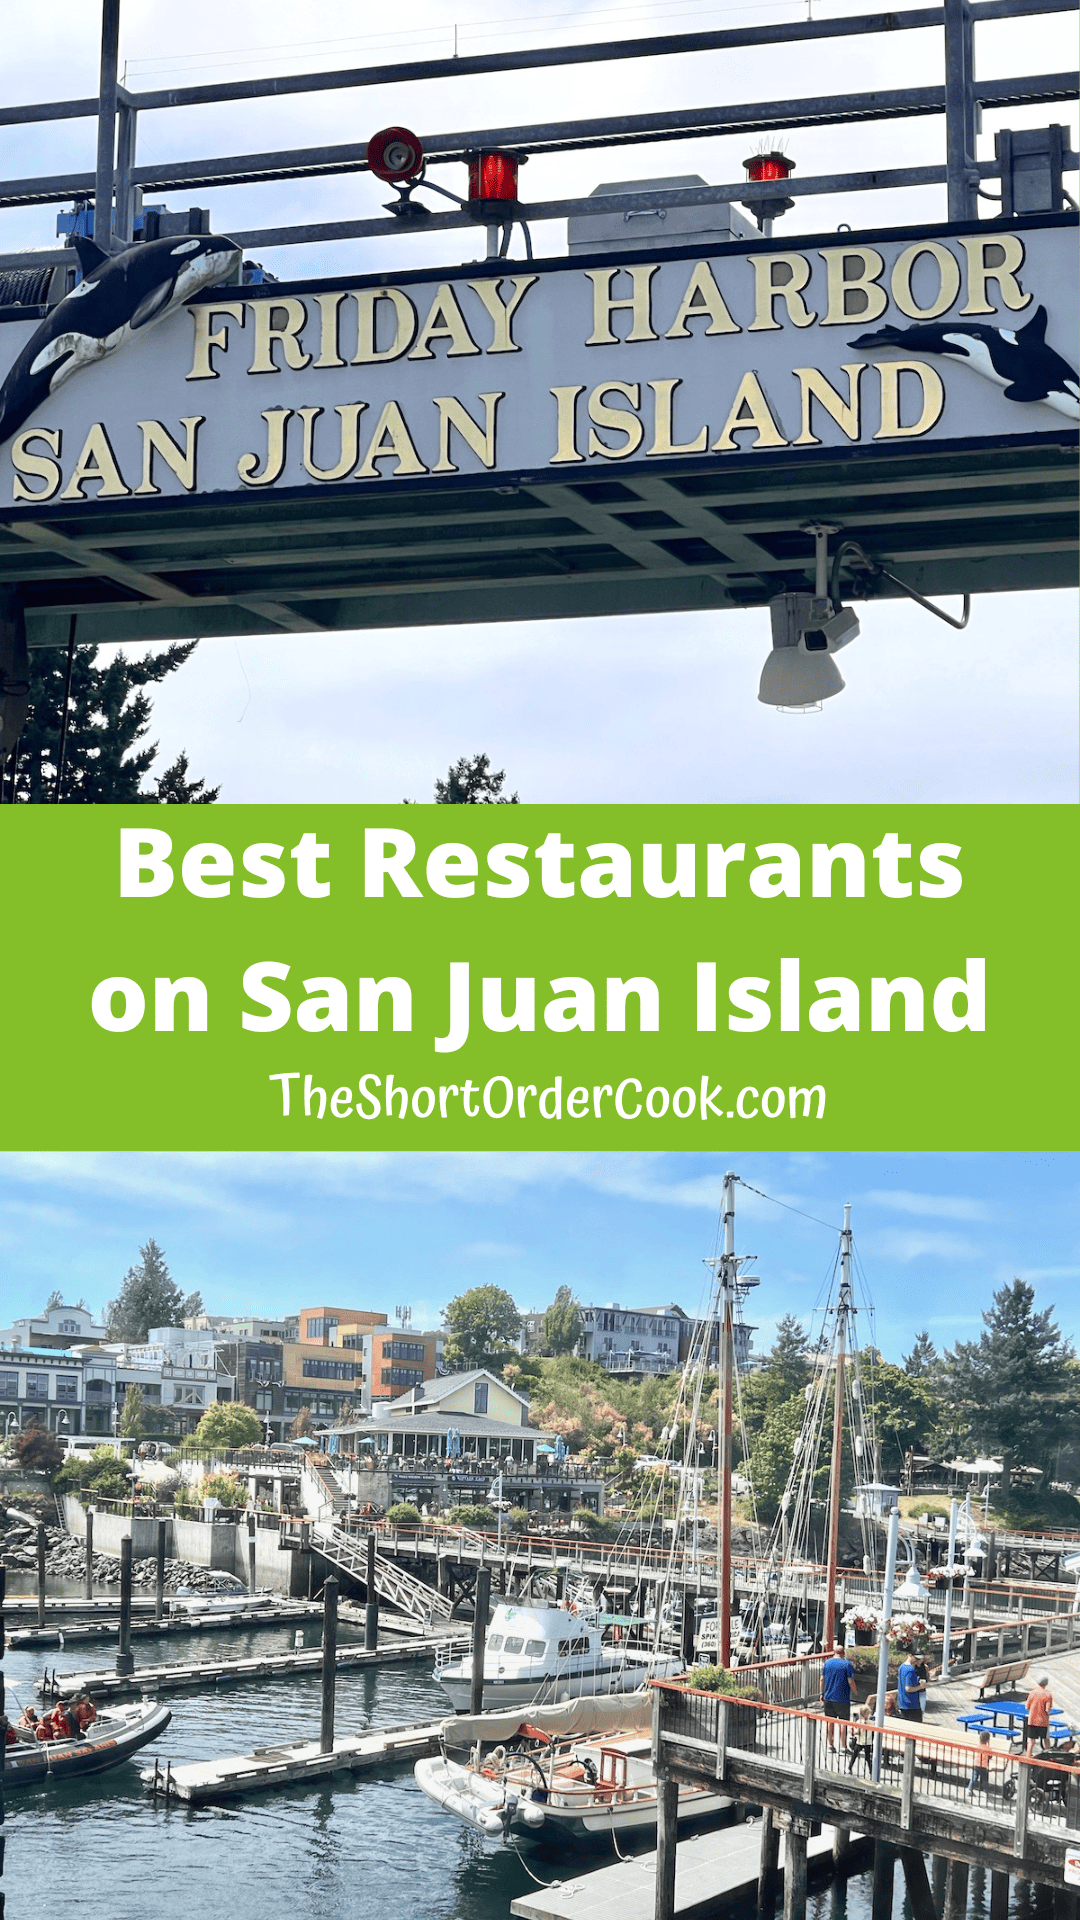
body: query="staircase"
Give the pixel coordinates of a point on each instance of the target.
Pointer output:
(402, 1590)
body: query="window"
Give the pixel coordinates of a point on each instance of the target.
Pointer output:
(403, 1350)
(9, 1385)
(67, 1388)
(535, 1650)
(495, 1641)
(318, 1325)
(69, 1326)
(402, 1376)
(37, 1386)
(329, 1369)
(188, 1397)
(480, 1397)
(514, 1643)
(264, 1400)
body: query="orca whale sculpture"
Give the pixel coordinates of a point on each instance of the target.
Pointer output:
(1020, 361)
(121, 295)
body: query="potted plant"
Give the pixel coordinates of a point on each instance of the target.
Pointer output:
(863, 1622)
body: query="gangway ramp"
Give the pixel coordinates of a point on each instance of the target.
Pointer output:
(403, 1590)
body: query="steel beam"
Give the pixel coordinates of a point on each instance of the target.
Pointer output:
(106, 136)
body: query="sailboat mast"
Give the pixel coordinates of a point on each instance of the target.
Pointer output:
(843, 1308)
(728, 1277)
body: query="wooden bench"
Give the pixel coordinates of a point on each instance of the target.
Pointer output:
(998, 1677)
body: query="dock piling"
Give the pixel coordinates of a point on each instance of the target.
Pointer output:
(371, 1599)
(42, 1549)
(667, 1831)
(159, 1584)
(125, 1659)
(88, 1574)
(481, 1599)
(795, 1838)
(917, 1882)
(769, 1866)
(999, 1895)
(251, 1552)
(329, 1665)
(884, 1867)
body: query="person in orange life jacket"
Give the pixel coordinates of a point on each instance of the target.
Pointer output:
(85, 1712)
(64, 1724)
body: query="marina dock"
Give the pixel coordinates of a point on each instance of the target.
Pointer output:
(710, 1867)
(287, 1766)
(300, 1612)
(184, 1675)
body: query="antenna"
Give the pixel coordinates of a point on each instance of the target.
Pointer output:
(403, 1315)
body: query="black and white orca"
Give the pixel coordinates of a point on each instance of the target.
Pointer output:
(1021, 362)
(121, 295)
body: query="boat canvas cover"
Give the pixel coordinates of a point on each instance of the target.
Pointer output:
(588, 1714)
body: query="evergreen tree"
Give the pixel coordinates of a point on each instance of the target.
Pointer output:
(133, 1414)
(1018, 1383)
(788, 1357)
(192, 1306)
(106, 756)
(148, 1298)
(924, 1361)
(472, 783)
(562, 1322)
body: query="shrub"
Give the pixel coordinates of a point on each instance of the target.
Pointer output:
(224, 1487)
(585, 1520)
(482, 1518)
(37, 1450)
(719, 1680)
(519, 1519)
(404, 1514)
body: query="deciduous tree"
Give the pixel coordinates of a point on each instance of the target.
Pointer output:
(229, 1424)
(482, 1322)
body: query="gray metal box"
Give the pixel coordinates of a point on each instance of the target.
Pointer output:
(654, 225)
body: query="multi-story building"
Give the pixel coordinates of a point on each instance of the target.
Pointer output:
(325, 1381)
(395, 1359)
(56, 1327)
(337, 1326)
(656, 1340)
(249, 1326)
(531, 1333)
(39, 1384)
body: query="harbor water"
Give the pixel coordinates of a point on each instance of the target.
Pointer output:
(369, 1848)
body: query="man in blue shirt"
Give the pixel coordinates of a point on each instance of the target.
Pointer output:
(909, 1686)
(836, 1679)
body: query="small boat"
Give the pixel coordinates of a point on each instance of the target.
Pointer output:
(571, 1776)
(239, 1602)
(117, 1733)
(550, 1653)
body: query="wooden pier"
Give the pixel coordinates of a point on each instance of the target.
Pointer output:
(722, 1865)
(185, 1676)
(298, 1613)
(199, 1781)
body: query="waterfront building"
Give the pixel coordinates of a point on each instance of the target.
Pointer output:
(56, 1327)
(42, 1385)
(395, 1360)
(651, 1340)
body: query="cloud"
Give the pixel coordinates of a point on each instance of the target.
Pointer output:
(898, 1243)
(930, 1206)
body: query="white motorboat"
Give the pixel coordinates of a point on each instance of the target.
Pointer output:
(570, 1776)
(551, 1654)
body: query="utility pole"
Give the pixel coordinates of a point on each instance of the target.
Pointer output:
(843, 1309)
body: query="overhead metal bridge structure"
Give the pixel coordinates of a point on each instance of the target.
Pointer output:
(664, 535)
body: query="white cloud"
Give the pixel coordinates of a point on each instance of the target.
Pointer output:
(898, 1243)
(931, 1206)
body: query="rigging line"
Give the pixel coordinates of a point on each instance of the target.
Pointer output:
(786, 1204)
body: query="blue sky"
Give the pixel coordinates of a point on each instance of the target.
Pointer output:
(936, 1233)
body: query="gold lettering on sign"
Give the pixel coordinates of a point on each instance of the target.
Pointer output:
(36, 466)
(663, 427)
(349, 440)
(97, 461)
(480, 438)
(948, 280)
(391, 438)
(202, 362)
(329, 308)
(998, 259)
(566, 399)
(702, 296)
(749, 409)
(932, 396)
(780, 276)
(156, 439)
(502, 311)
(615, 420)
(638, 303)
(368, 301)
(814, 386)
(248, 464)
(445, 321)
(271, 331)
(853, 274)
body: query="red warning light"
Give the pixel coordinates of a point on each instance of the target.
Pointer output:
(493, 176)
(395, 154)
(769, 166)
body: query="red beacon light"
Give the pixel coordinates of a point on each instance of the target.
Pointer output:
(763, 167)
(493, 182)
(395, 155)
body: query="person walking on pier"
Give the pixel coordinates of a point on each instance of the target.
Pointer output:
(1038, 1703)
(909, 1690)
(836, 1678)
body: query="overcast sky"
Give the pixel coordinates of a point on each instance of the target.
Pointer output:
(658, 708)
(270, 1233)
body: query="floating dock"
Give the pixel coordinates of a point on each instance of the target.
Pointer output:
(710, 1867)
(103, 1629)
(109, 1685)
(290, 1766)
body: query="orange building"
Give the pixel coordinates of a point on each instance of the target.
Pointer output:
(395, 1359)
(337, 1326)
